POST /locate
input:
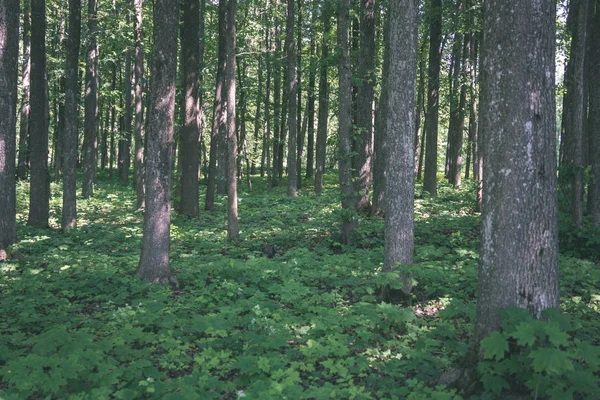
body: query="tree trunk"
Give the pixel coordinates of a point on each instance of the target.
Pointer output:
(138, 76)
(433, 88)
(23, 156)
(39, 194)
(364, 104)
(232, 202)
(299, 153)
(276, 100)
(70, 138)
(154, 259)
(419, 107)
(323, 117)
(518, 263)
(90, 142)
(292, 85)
(312, 81)
(400, 128)
(349, 201)
(593, 206)
(9, 70)
(190, 151)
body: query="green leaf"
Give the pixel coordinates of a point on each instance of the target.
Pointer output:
(525, 334)
(495, 346)
(494, 384)
(552, 361)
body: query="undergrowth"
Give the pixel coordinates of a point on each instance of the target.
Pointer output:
(285, 311)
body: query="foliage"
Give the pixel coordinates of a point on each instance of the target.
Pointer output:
(283, 311)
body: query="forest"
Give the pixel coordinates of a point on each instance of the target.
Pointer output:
(267, 199)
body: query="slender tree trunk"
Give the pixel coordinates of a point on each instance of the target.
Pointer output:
(71, 141)
(90, 152)
(292, 85)
(323, 117)
(258, 115)
(399, 192)
(433, 87)
(364, 104)
(276, 100)
(349, 201)
(593, 206)
(455, 134)
(59, 131)
(232, 202)
(113, 127)
(518, 263)
(154, 259)
(299, 153)
(420, 106)
(9, 71)
(39, 194)
(138, 76)
(312, 81)
(23, 156)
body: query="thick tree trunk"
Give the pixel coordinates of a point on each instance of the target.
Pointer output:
(154, 259)
(292, 85)
(90, 142)
(9, 70)
(138, 76)
(433, 88)
(39, 194)
(232, 202)
(400, 128)
(190, 151)
(70, 142)
(518, 263)
(349, 201)
(23, 156)
(593, 206)
(323, 117)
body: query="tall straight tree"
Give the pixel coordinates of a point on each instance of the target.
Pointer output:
(39, 194)
(323, 117)
(593, 206)
(138, 77)
(154, 259)
(518, 264)
(400, 128)
(364, 104)
(70, 140)
(90, 141)
(23, 156)
(232, 202)
(349, 221)
(292, 85)
(9, 70)
(433, 88)
(190, 151)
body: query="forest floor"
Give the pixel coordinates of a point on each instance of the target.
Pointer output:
(285, 311)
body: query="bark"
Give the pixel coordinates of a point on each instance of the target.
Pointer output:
(90, 142)
(70, 139)
(300, 133)
(39, 194)
(138, 77)
(292, 85)
(433, 87)
(258, 116)
(593, 207)
(312, 81)
(267, 141)
(400, 128)
(59, 131)
(455, 134)
(190, 151)
(364, 105)
(218, 112)
(420, 106)
(154, 259)
(276, 100)
(23, 156)
(9, 70)
(323, 117)
(232, 202)
(349, 201)
(519, 240)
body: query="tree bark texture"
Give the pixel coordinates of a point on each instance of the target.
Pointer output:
(138, 77)
(232, 151)
(23, 156)
(518, 263)
(292, 85)
(70, 136)
(594, 121)
(400, 128)
(154, 259)
(9, 71)
(312, 82)
(323, 116)
(39, 194)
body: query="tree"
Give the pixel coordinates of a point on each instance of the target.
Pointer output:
(349, 221)
(39, 194)
(154, 258)
(518, 263)
(90, 141)
(433, 88)
(400, 127)
(190, 150)
(23, 156)
(232, 203)
(292, 85)
(70, 135)
(594, 121)
(138, 77)
(323, 116)
(9, 70)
